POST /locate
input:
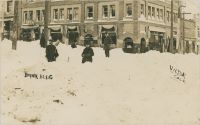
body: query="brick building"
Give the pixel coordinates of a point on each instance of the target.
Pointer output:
(137, 19)
(7, 13)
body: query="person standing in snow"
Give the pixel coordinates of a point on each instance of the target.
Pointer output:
(51, 52)
(42, 40)
(32, 35)
(87, 54)
(107, 42)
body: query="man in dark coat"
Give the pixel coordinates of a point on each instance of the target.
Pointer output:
(87, 54)
(42, 40)
(107, 42)
(51, 52)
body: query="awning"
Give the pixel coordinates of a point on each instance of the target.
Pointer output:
(29, 27)
(56, 28)
(72, 28)
(157, 29)
(107, 28)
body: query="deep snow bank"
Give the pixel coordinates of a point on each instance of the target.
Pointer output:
(123, 89)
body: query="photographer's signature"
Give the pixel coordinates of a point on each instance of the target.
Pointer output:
(177, 74)
(38, 76)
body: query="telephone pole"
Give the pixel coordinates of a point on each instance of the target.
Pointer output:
(15, 25)
(46, 21)
(172, 27)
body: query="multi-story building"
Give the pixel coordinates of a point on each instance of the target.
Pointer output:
(140, 20)
(197, 19)
(7, 17)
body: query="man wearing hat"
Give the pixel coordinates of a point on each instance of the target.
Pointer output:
(51, 52)
(87, 54)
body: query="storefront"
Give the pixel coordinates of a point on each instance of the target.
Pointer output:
(30, 33)
(8, 23)
(73, 34)
(55, 32)
(112, 33)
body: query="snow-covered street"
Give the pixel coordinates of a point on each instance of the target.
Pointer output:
(128, 89)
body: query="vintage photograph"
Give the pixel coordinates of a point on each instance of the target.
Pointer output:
(100, 62)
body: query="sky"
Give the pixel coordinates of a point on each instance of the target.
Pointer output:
(192, 6)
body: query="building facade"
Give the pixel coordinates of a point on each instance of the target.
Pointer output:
(140, 20)
(7, 17)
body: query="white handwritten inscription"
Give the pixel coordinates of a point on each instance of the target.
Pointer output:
(177, 74)
(38, 76)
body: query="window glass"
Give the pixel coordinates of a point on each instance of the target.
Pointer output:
(129, 11)
(76, 13)
(105, 11)
(69, 13)
(61, 13)
(112, 10)
(90, 12)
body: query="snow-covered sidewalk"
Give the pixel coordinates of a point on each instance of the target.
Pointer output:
(129, 89)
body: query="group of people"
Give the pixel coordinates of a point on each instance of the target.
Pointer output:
(87, 54)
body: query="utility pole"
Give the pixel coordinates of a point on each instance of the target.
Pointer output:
(184, 32)
(15, 25)
(172, 27)
(46, 21)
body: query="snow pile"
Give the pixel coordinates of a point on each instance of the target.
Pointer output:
(123, 89)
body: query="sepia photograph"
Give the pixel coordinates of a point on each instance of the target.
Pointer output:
(100, 62)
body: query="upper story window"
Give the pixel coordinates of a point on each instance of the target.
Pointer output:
(161, 14)
(69, 13)
(149, 11)
(55, 14)
(9, 6)
(27, 17)
(38, 15)
(61, 13)
(109, 11)
(168, 16)
(142, 9)
(30, 17)
(112, 10)
(89, 12)
(73, 13)
(153, 12)
(105, 11)
(76, 9)
(129, 10)
(158, 13)
(175, 17)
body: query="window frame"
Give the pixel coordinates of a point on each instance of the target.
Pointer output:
(127, 5)
(87, 12)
